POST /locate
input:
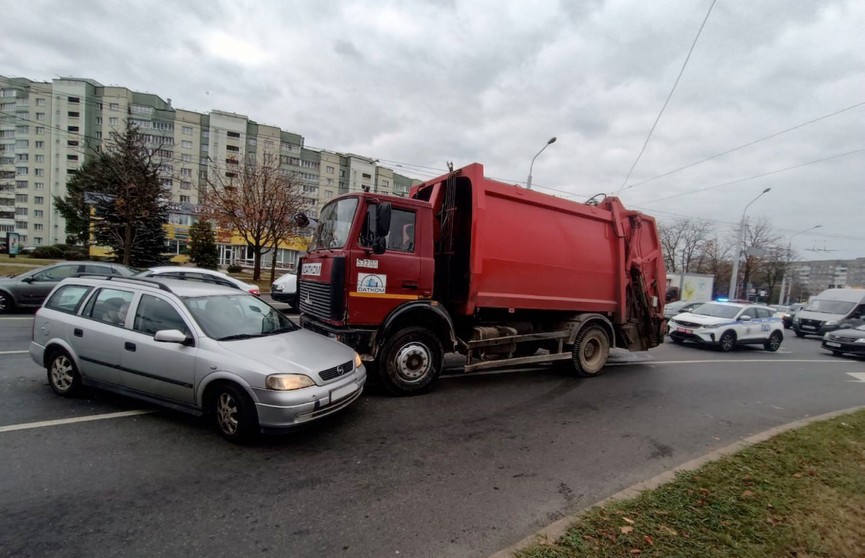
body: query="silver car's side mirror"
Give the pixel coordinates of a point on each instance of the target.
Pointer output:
(170, 336)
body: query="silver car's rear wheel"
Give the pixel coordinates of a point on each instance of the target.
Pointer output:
(63, 376)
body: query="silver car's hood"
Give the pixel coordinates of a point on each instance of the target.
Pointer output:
(300, 351)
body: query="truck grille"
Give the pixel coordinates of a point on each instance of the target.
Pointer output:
(816, 324)
(315, 299)
(324, 300)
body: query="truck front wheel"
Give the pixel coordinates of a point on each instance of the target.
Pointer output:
(410, 361)
(590, 352)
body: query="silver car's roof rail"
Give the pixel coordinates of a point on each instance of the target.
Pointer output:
(161, 286)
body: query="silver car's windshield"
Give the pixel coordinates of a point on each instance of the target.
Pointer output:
(716, 310)
(230, 317)
(829, 306)
(334, 224)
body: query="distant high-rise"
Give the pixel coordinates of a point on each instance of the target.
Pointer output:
(48, 130)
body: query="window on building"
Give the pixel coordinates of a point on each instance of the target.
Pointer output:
(40, 158)
(186, 185)
(37, 240)
(113, 121)
(40, 116)
(40, 131)
(40, 102)
(72, 157)
(99, 121)
(21, 225)
(38, 227)
(40, 144)
(251, 142)
(38, 213)
(233, 148)
(73, 114)
(187, 130)
(74, 100)
(186, 144)
(185, 172)
(22, 144)
(330, 169)
(39, 185)
(114, 106)
(21, 171)
(328, 193)
(39, 172)
(22, 158)
(21, 211)
(39, 200)
(21, 198)
(72, 128)
(20, 184)
(233, 134)
(185, 199)
(72, 143)
(140, 109)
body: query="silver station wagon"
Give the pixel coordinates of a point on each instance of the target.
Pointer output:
(198, 348)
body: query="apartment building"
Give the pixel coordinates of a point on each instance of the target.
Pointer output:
(819, 275)
(49, 129)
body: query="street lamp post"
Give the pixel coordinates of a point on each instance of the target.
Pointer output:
(784, 295)
(529, 181)
(734, 277)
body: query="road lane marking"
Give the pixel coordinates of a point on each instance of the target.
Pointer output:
(13, 352)
(59, 422)
(860, 376)
(457, 372)
(17, 318)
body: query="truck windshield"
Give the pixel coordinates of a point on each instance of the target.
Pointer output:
(829, 306)
(334, 224)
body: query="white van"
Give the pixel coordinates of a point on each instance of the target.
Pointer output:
(826, 310)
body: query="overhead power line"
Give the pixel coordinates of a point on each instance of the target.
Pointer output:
(663, 108)
(749, 144)
(754, 177)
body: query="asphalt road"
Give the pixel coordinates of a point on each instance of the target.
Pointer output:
(464, 471)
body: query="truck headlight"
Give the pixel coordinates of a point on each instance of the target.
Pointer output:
(288, 382)
(795, 319)
(277, 288)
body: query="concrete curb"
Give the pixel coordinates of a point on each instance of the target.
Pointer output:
(555, 530)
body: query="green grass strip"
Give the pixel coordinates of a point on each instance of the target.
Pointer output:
(800, 494)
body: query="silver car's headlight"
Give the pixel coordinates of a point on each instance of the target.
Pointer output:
(831, 322)
(860, 340)
(288, 382)
(357, 361)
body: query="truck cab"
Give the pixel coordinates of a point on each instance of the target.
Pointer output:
(367, 256)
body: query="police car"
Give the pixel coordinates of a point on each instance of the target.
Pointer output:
(728, 324)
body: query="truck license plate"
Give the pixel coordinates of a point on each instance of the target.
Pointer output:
(339, 393)
(685, 331)
(832, 344)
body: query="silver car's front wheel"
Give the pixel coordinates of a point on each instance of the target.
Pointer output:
(234, 413)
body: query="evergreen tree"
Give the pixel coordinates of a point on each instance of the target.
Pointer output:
(121, 185)
(202, 245)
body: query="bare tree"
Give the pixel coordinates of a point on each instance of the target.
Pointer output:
(256, 199)
(761, 247)
(683, 241)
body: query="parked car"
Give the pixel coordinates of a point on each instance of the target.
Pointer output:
(29, 289)
(679, 306)
(284, 288)
(787, 317)
(194, 347)
(201, 275)
(727, 324)
(848, 340)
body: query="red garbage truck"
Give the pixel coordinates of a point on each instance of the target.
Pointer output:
(492, 271)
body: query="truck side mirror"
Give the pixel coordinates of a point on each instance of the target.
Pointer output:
(301, 220)
(382, 220)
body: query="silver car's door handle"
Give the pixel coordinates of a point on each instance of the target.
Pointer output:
(129, 346)
(78, 332)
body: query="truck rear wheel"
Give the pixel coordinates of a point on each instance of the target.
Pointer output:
(590, 352)
(410, 361)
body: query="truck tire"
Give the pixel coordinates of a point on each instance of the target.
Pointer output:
(590, 352)
(410, 361)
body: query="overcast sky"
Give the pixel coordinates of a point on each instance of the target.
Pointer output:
(416, 84)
